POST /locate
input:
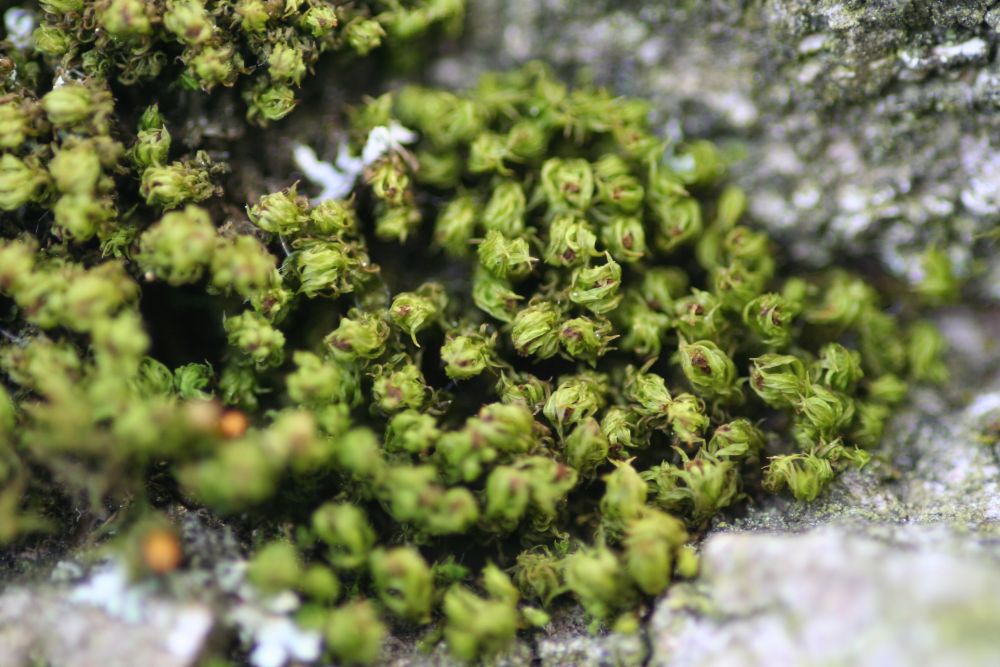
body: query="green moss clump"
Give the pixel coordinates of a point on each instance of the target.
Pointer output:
(537, 330)
(265, 47)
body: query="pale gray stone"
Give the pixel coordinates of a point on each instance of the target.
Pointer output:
(830, 597)
(39, 626)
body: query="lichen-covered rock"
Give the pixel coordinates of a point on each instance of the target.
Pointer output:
(894, 565)
(862, 126)
(55, 627)
(830, 597)
(565, 642)
(938, 466)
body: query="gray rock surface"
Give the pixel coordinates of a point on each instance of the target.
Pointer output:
(868, 127)
(52, 627)
(895, 565)
(565, 642)
(934, 466)
(830, 597)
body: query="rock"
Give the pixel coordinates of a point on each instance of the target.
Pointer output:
(894, 565)
(934, 467)
(830, 597)
(42, 626)
(867, 128)
(566, 642)
(404, 652)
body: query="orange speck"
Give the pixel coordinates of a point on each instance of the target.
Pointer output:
(233, 424)
(161, 550)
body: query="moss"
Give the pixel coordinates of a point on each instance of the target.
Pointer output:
(548, 224)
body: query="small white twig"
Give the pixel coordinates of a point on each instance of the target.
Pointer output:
(337, 180)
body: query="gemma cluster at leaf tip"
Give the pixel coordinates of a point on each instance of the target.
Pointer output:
(573, 355)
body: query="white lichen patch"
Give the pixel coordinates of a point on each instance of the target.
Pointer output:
(981, 195)
(175, 632)
(971, 50)
(812, 44)
(108, 587)
(19, 24)
(264, 622)
(276, 639)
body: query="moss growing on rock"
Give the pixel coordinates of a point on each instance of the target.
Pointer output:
(526, 321)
